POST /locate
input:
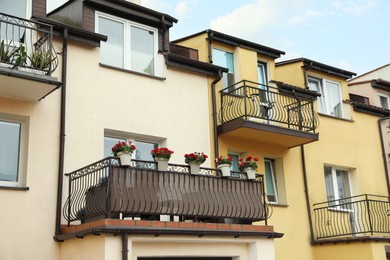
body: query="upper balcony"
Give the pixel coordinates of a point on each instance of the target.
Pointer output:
(271, 115)
(363, 217)
(27, 59)
(104, 190)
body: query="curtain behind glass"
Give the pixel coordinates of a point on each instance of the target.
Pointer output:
(333, 98)
(142, 50)
(315, 85)
(111, 52)
(270, 182)
(329, 183)
(9, 151)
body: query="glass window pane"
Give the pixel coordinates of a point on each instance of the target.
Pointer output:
(343, 184)
(234, 166)
(384, 102)
(143, 150)
(315, 85)
(9, 151)
(13, 34)
(225, 59)
(333, 99)
(109, 142)
(329, 183)
(261, 71)
(14, 7)
(111, 52)
(142, 50)
(270, 181)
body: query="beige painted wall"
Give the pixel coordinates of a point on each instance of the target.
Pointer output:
(378, 73)
(28, 217)
(353, 251)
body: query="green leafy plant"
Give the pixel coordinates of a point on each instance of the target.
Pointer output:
(40, 59)
(20, 56)
(7, 52)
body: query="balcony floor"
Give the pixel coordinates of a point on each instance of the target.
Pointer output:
(265, 133)
(116, 226)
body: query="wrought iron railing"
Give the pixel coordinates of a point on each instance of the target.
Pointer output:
(265, 104)
(27, 44)
(359, 215)
(106, 190)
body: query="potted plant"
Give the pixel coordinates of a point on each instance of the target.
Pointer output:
(21, 56)
(123, 150)
(224, 163)
(194, 160)
(7, 52)
(40, 59)
(248, 165)
(161, 156)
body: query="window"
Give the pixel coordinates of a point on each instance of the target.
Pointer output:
(14, 34)
(225, 59)
(330, 101)
(337, 186)
(129, 45)
(270, 181)
(143, 150)
(262, 73)
(17, 8)
(235, 157)
(383, 100)
(13, 149)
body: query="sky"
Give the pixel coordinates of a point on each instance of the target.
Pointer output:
(348, 34)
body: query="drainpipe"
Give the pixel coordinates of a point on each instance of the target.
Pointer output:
(307, 193)
(210, 36)
(125, 246)
(62, 133)
(305, 69)
(384, 152)
(214, 103)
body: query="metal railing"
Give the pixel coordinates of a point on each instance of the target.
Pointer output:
(359, 215)
(26, 44)
(106, 190)
(265, 104)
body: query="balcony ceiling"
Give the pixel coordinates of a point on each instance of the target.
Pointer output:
(24, 85)
(265, 133)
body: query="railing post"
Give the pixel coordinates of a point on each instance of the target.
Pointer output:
(69, 198)
(300, 118)
(221, 94)
(245, 100)
(312, 115)
(369, 214)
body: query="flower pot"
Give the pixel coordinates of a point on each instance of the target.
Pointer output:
(251, 173)
(194, 168)
(225, 169)
(162, 164)
(125, 158)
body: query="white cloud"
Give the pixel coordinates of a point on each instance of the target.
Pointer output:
(308, 15)
(355, 7)
(344, 65)
(181, 9)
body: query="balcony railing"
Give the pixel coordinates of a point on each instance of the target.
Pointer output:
(26, 44)
(350, 217)
(106, 190)
(265, 104)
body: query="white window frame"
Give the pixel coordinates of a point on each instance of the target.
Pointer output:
(265, 72)
(324, 94)
(380, 94)
(23, 149)
(127, 41)
(225, 74)
(337, 196)
(274, 181)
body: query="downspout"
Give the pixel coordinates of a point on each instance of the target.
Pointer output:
(62, 132)
(384, 152)
(125, 246)
(305, 69)
(307, 193)
(210, 38)
(214, 103)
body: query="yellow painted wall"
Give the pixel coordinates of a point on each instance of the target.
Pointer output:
(352, 251)
(199, 43)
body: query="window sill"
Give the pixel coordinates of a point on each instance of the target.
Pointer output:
(337, 118)
(131, 72)
(14, 188)
(274, 204)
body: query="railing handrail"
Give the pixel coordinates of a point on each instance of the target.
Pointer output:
(364, 196)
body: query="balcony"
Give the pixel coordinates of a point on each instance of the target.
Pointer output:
(27, 59)
(105, 190)
(363, 217)
(267, 114)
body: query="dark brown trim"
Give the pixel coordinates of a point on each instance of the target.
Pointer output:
(317, 66)
(193, 65)
(14, 188)
(294, 90)
(241, 123)
(234, 41)
(381, 84)
(134, 230)
(368, 109)
(348, 240)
